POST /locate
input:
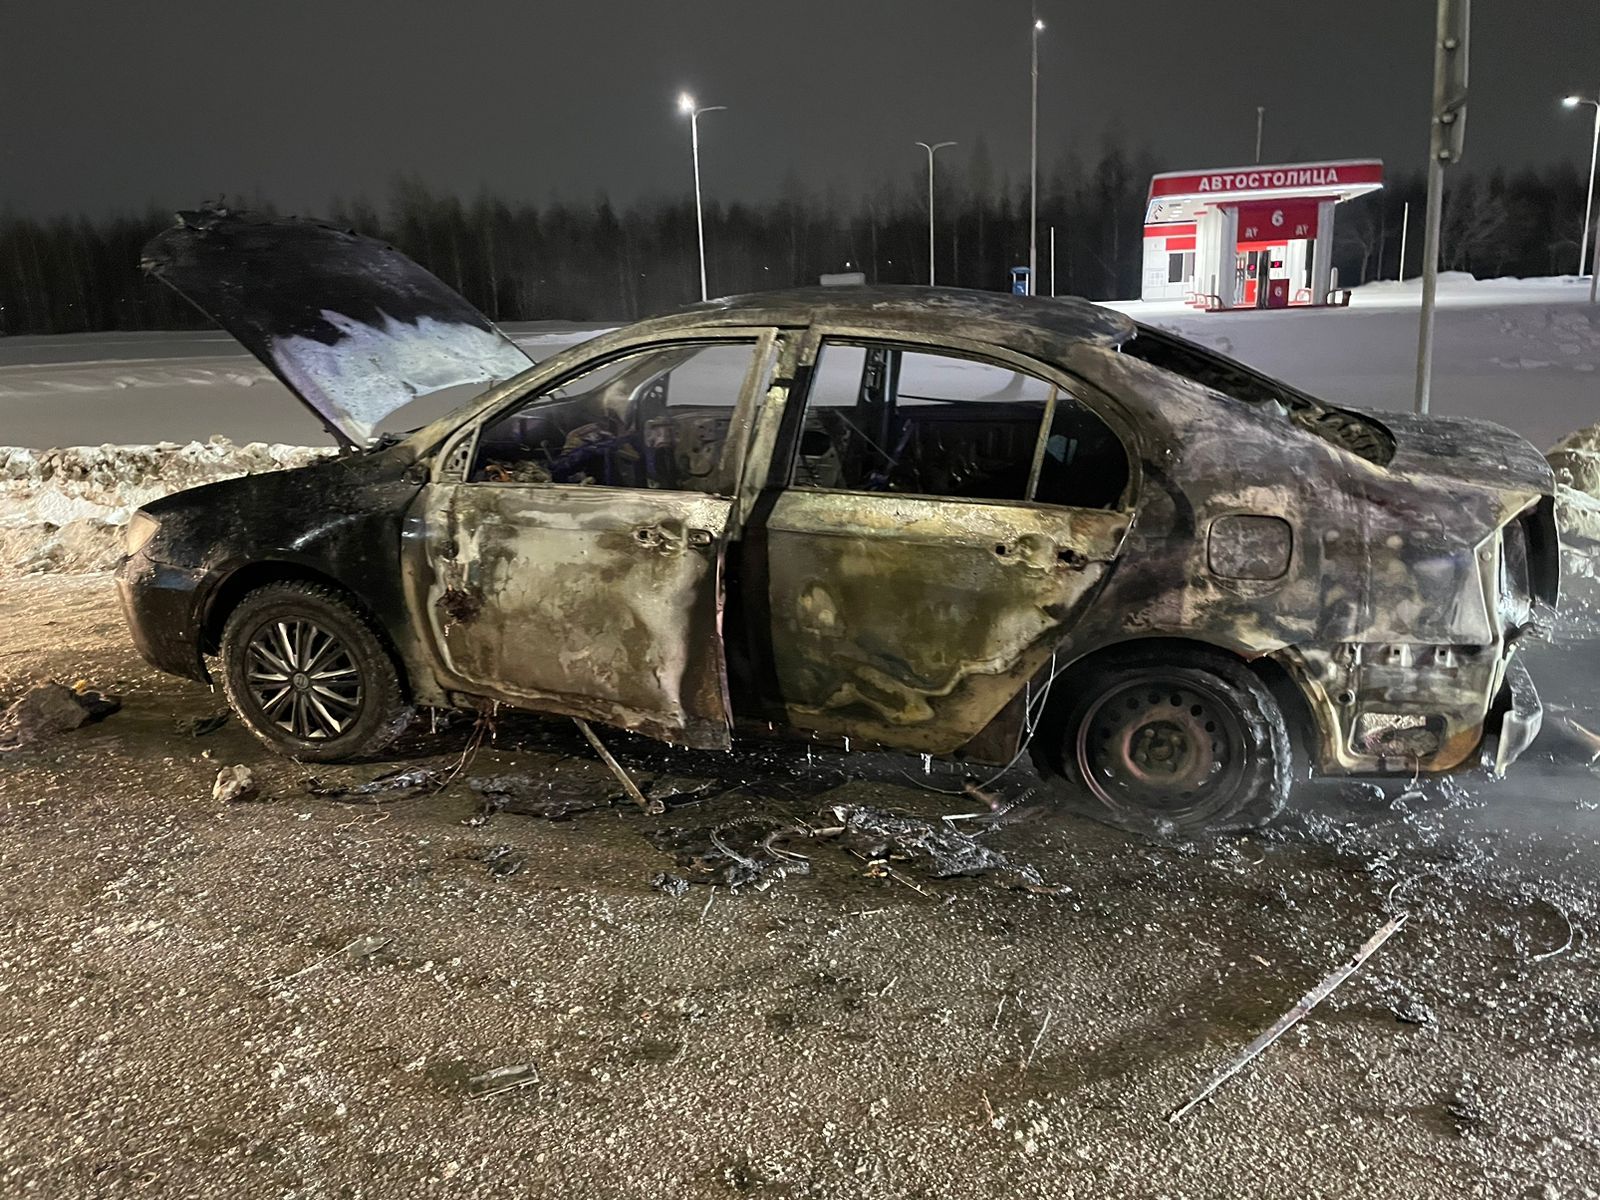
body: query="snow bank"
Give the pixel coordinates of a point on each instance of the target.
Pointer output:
(1576, 461)
(63, 510)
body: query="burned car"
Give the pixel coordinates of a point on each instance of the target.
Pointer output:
(946, 522)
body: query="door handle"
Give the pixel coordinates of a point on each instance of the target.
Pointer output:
(657, 537)
(672, 537)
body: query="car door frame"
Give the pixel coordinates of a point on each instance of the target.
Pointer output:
(430, 602)
(764, 687)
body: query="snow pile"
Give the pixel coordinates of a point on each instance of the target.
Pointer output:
(1576, 461)
(63, 510)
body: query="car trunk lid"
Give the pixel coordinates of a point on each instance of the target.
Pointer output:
(351, 326)
(1467, 450)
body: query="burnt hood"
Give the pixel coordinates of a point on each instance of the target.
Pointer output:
(353, 327)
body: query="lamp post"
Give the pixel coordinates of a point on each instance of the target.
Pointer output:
(932, 150)
(687, 106)
(1584, 258)
(1033, 168)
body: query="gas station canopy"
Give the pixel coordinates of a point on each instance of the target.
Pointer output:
(1249, 237)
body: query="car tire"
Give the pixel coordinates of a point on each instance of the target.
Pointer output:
(309, 675)
(1171, 740)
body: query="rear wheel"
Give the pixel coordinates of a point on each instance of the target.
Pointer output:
(1183, 739)
(308, 674)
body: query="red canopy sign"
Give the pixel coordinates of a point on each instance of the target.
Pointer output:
(1277, 221)
(1331, 178)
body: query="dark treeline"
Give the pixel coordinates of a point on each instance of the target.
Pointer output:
(523, 261)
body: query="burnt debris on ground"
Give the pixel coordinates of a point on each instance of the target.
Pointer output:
(747, 851)
(561, 795)
(392, 785)
(886, 837)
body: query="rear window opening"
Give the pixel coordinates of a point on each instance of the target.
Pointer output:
(882, 418)
(1355, 432)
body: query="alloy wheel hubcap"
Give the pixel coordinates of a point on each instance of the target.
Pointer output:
(303, 679)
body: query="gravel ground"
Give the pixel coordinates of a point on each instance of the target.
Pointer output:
(303, 996)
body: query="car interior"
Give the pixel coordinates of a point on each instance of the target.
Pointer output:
(889, 419)
(631, 423)
(879, 418)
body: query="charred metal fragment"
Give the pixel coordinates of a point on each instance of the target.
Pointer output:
(948, 852)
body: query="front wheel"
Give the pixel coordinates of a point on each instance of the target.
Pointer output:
(1185, 740)
(308, 674)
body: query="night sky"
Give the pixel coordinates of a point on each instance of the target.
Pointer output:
(112, 106)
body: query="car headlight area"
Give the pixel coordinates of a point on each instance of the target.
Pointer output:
(141, 528)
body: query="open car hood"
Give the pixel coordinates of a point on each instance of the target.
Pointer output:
(353, 327)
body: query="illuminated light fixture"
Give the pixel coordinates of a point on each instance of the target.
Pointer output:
(690, 109)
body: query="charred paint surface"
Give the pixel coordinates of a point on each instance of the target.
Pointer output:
(1389, 615)
(912, 621)
(352, 326)
(338, 521)
(601, 603)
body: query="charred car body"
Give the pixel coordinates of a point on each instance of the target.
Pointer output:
(946, 522)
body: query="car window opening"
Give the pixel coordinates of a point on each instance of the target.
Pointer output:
(1355, 432)
(658, 419)
(884, 419)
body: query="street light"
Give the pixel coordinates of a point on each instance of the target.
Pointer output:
(1033, 169)
(1583, 243)
(686, 105)
(932, 150)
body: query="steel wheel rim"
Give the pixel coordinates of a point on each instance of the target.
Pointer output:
(1159, 746)
(303, 679)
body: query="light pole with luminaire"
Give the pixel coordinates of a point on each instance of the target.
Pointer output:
(932, 150)
(1033, 168)
(1584, 258)
(687, 106)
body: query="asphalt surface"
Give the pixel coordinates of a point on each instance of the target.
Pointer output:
(407, 994)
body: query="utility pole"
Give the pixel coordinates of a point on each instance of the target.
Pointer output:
(1445, 146)
(1033, 166)
(1405, 229)
(1261, 120)
(1052, 262)
(932, 150)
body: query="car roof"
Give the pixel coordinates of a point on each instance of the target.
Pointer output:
(926, 311)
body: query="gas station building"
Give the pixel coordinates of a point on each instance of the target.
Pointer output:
(1249, 237)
